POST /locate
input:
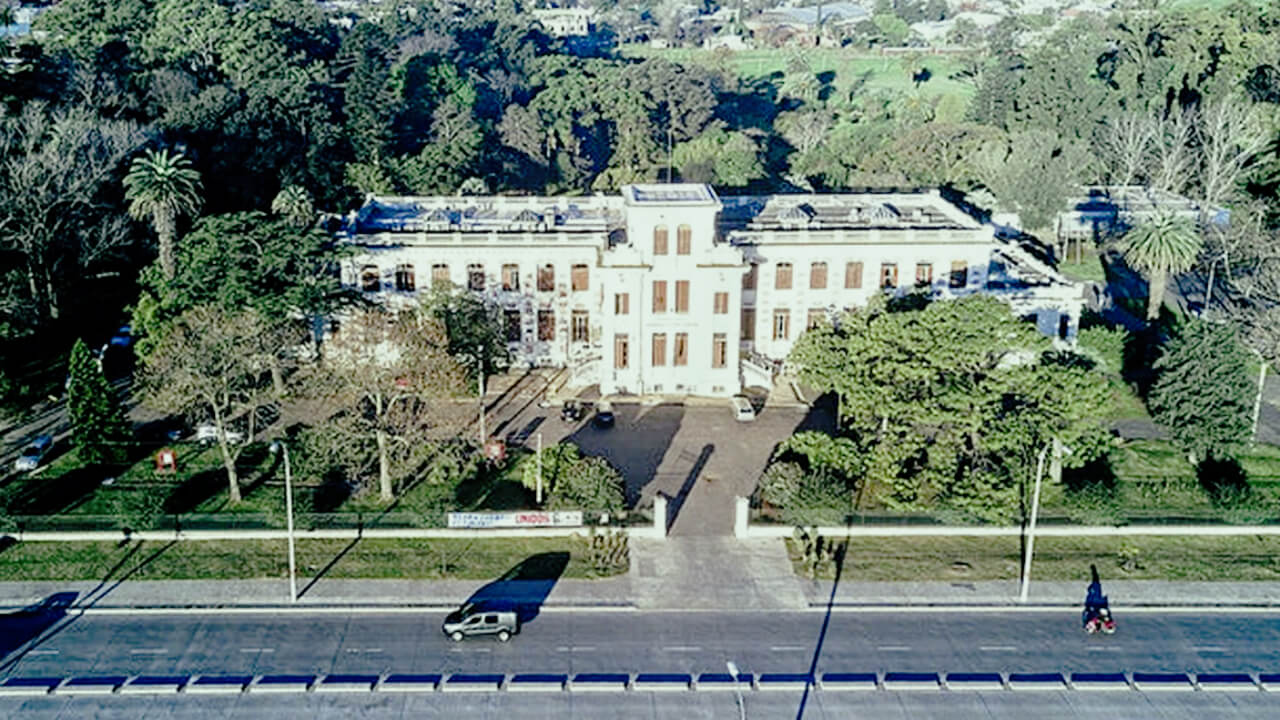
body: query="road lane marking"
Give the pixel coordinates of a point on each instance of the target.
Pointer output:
(148, 651)
(257, 650)
(682, 648)
(44, 652)
(470, 650)
(998, 648)
(1102, 648)
(786, 648)
(893, 648)
(583, 648)
(1208, 648)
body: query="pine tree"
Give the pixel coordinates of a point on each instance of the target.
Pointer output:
(99, 430)
(1204, 390)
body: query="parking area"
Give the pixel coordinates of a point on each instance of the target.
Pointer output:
(697, 455)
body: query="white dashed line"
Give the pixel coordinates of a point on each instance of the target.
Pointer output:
(43, 652)
(997, 648)
(893, 648)
(1209, 648)
(148, 651)
(257, 650)
(786, 648)
(682, 648)
(1102, 648)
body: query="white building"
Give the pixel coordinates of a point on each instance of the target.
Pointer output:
(672, 290)
(565, 22)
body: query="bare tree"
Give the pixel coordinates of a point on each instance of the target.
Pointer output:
(1127, 145)
(390, 376)
(53, 205)
(1171, 160)
(216, 363)
(1229, 135)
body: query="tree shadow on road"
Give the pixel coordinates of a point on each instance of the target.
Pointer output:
(840, 552)
(636, 445)
(525, 587)
(690, 480)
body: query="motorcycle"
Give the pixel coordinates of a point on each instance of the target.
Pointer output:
(1099, 620)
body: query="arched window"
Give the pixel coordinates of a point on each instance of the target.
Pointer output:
(660, 240)
(370, 278)
(405, 281)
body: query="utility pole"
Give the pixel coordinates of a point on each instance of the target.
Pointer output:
(480, 392)
(1257, 399)
(288, 511)
(539, 456)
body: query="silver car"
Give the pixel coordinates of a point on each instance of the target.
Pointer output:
(471, 620)
(33, 454)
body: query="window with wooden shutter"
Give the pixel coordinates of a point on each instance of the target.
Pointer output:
(660, 240)
(622, 304)
(682, 350)
(475, 277)
(684, 240)
(924, 274)
(853, 276)
(370, 278)
(510, 277)
(750, 277)
(818, 276)
(547, 278)
(719, 350)
(578, 277)
(748, 329)
(439, 274)
(620, 352)
(888, 275)
(721, 306)
(580, 327)
(817, 316)
(659, 296)
(781, 324)
(782, 277)
(546, 325)
(659, 350)
(959, 274)
(682, 296)
(513, 325)
(405, 280)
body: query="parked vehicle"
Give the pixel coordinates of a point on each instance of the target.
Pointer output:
(472, 619)
(573, 410)
(604, 415)
(33, 454)
(743, 410)
(123, 337)
(207, 434)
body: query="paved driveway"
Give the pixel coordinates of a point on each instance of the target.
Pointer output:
(698, 456)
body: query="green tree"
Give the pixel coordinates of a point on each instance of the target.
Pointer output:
(161, 187)
(293, 203)
(99, 430)
(1165, 245)
(574, 482)
(1204, 390)
(475, 328)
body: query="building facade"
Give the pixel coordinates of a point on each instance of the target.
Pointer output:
(672, 290)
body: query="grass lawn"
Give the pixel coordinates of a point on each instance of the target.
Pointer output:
(1088, 269)
(880, 73)
(1128, 558)
(479, 559)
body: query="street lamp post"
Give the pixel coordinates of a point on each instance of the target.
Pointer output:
(737, 689)
(288, 510)
(1035, 512)
(480, 391)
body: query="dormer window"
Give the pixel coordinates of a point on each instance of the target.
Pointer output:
(796, 216)
(526, 220)
(882, 213)
(439, 220)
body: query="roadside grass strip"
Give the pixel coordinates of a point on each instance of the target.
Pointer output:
(911, 681)
(1160, 682)
(1037, 681)
(849, 681)
(21, 686)
(537, 682)
(473, 682)
(219, 684)
(345, 683)
(1226, 682)
(724, 681)
(410, 682)
(974, 681)
(783, 681)
(154, 684)
(91, 685)
(282, 684)
(599, 682)
(1089, 681)
(662, 682)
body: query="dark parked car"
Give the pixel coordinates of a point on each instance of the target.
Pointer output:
(573, 411)
(604, 416)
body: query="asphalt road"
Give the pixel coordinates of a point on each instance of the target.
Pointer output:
(633, 641)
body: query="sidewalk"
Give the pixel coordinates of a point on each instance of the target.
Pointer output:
(1122, 593)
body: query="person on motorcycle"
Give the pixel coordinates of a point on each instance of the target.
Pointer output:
(1097, 611)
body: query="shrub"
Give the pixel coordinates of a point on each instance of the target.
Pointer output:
(589, 484)
(138, 507)
(1094, 504)
(1105, 346)
(779, 482)
(820, 499)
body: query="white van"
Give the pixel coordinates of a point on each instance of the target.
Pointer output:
(743, 411)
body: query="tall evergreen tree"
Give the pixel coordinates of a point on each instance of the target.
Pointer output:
(99, 429)
(1203, 392)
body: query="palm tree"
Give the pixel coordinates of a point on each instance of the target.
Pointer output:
(161, 186)
(1166, 244)
(293, 203)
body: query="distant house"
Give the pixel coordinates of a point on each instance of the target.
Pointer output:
(1099, 212)
(783, 22)
(566, 22)
(732, 42)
